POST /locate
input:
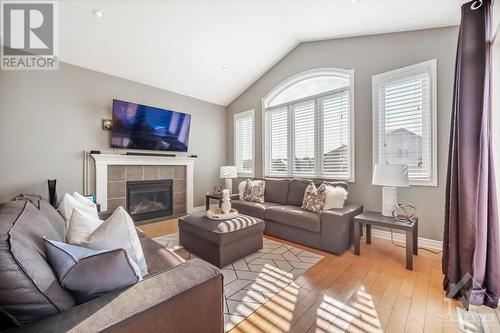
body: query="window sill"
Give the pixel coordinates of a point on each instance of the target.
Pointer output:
(326, 178)
(246, 175)
(424, 183)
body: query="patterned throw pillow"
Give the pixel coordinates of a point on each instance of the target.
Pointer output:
(314, 198)
(254, 191)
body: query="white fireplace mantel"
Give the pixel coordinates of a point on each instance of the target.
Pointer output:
(101, 172)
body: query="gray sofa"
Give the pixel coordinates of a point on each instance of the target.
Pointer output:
(175, 296)
(331, 230)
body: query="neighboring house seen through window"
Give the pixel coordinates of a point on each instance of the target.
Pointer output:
(404, 119)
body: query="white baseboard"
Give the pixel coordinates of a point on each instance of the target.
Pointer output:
(401, 238)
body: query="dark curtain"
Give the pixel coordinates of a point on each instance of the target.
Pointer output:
(471, 252)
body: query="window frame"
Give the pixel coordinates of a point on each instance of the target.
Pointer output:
(236, 118)
(397, 74)
(306, 75)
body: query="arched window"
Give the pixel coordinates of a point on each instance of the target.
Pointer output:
(308, 126)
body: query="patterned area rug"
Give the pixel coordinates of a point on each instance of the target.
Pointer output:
(254, 279)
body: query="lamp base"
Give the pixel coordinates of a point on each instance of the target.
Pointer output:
(228, 184)
(389, 200)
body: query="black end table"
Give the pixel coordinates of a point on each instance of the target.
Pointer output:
(374, 218)
(219, 198)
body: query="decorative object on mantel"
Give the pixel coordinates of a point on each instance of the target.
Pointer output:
(218, 214)
(107, 124)
(226, 202)
(52, 192)
(390, 177)
(404, 212)
(217, 190)
(227, 173)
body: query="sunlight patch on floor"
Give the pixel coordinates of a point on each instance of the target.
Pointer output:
(355, 315)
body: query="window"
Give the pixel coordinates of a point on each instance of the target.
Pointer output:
(308, 126)
(244, 143)
(405, 121)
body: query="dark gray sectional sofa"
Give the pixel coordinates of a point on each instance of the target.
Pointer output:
(331, 230)
(175, 296)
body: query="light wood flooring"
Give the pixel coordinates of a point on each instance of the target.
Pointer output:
(372, 292)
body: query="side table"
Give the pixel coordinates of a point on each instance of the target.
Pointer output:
(374, 218)
(217, 197)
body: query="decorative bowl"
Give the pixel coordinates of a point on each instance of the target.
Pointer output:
(217, 214)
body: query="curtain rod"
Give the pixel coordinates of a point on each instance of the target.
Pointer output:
(476, 4)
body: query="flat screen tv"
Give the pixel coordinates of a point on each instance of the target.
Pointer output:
(137, 126)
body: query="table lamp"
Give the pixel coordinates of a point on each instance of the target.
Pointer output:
(227, 173)
(390, 177)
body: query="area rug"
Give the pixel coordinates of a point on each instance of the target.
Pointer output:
(254, 279)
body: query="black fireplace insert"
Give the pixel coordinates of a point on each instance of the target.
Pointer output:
(149, 199)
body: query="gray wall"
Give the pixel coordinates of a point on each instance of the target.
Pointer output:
(47, 118)
(369, 55)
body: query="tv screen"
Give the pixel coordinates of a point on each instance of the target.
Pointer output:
(137, 126)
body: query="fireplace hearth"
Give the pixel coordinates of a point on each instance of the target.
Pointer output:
(149, 199)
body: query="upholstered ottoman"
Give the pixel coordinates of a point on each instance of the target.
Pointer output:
(220, 242)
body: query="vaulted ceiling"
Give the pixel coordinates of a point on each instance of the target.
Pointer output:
(214, 50)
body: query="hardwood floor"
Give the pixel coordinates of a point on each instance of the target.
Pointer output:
(161, 228)
(372, 292)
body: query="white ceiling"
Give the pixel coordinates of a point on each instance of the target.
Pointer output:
(182, 46)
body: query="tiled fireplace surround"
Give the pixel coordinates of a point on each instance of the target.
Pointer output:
(112, 171)
(118, 175)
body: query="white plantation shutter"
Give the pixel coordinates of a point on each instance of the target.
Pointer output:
(336, 134)
(308, 130)
(404, 105)
(276, 142)
(310, 138)
(244, 142)
(304, 136)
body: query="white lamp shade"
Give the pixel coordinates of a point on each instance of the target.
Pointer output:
(228, 171)
(390, 175)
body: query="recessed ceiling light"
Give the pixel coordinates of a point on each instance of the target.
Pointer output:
(353, 1)
(98, 13)
(224, 69)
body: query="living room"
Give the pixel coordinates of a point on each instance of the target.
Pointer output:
(250, 166)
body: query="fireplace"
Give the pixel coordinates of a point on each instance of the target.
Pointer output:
(149, 199)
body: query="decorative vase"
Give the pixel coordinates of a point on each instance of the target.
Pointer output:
(52, 192)
(226, 202)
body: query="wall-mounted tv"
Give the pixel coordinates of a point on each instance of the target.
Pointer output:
(137, 126)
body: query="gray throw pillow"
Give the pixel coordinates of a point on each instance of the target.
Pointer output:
(89, 273)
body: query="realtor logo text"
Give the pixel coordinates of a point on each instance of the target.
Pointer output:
(29, 34)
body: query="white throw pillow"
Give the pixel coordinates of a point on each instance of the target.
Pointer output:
(69, 203)
(86, 201)
(118, 231)
(335, 197)
(80, 227)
